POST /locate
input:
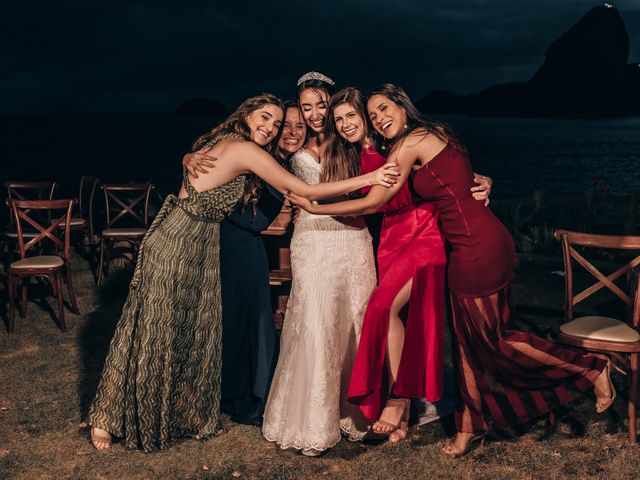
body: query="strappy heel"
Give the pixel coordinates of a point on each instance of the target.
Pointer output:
(403, 428)
(391, 402)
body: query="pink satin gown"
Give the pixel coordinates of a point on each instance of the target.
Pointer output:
(411, 247)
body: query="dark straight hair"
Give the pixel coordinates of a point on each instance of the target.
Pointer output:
(318, 86)
(315, 85)
(415, 121)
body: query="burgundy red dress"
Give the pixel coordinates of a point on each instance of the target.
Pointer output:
(506, 375)
(411, 247)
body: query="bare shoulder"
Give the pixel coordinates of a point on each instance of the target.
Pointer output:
(240, 146)
(421, 140)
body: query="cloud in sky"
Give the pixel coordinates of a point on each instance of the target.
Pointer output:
(151, 55)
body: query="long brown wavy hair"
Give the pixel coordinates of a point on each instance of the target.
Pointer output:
(237, 123)
(341, 158)
(415, 120)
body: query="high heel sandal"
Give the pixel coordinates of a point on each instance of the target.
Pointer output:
(459, 454)
(395, 437)
(391, 402)
(602, 404)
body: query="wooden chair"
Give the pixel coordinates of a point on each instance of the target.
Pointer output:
(615, 337)
(82, 219)
(128, 206)
(51, 267)
(280, 277)
(25, 190)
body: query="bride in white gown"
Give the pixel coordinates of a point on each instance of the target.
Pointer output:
(334, 275)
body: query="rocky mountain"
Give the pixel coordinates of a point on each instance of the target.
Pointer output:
(585, 73)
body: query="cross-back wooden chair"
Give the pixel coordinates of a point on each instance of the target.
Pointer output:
(26, 190)
(82, 219)
(52, 267)
(127, 219)
(616, 337)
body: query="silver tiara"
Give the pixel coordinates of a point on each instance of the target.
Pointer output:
(314, 76)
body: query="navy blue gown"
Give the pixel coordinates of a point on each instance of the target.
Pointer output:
(249, 344)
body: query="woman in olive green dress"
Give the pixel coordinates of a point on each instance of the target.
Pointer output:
(161, 378)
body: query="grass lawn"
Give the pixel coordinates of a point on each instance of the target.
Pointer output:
(48, 377)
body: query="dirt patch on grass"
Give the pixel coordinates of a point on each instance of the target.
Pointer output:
(26, 349)
(48, 377)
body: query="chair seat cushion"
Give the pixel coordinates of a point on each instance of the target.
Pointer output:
(124, 232)
(39, 261)
(75, 222)
(600, 328)
(14, 234)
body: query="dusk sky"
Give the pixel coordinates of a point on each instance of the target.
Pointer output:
(149, 56)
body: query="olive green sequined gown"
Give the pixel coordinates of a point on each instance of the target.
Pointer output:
(161, 378)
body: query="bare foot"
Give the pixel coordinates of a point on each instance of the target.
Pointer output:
(101, 439)
(460, 445)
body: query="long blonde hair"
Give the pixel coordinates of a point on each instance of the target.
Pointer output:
(237, 123)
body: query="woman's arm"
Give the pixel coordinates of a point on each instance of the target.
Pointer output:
(252, 158)
(375, 198)
(416, 148)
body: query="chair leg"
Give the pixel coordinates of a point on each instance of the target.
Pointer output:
(101, 262)
(58, 290)
(553, 420)
(23, 303)
(83, 243)
(12, 302)
(93, 258)
(107, 255)
(72, 293)
(633, 398)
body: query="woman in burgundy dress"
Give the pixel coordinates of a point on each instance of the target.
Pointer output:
(502, 374)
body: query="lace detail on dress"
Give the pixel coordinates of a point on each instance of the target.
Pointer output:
(333, 276)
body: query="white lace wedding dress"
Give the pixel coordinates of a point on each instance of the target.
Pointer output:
(333, 277)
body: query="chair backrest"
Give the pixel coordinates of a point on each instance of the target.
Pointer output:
(20, 190)
(127, 201)
(30, 190)
(58, 210)
(631, 243)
